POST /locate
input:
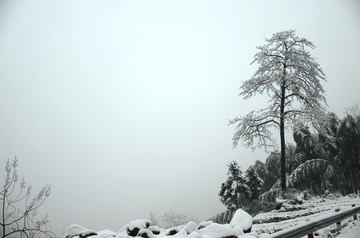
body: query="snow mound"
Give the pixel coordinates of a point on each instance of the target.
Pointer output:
(79, 231)
(242, 219)
(106, 233)
(216, 230)
(142, 228)
(190, 227)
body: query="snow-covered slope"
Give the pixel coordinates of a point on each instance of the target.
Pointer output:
(241, 223)
(299, 211)
(292, 213)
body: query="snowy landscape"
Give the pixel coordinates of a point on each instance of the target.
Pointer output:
(179, 119)
(297, 211)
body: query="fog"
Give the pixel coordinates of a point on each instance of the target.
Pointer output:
(123, 106)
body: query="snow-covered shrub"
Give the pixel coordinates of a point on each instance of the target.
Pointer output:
(258, 206)
(234, 192)
(271, 195)
(172, 219)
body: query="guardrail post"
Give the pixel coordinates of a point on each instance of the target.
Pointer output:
(338, 223)
(310, 235)
(355, 215)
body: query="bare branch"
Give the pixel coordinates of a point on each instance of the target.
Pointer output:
(22, 220)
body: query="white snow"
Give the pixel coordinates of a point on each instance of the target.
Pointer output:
(242, 219)
(139, 223)
(262, 225)
(106, 233)
(310, 210)
(351, 231)
(190, 227)
(204, 224)
(216, 230)
(75, 230)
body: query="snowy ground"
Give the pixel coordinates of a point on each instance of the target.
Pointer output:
(292, 213)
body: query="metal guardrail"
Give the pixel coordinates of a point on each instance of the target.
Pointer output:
(316, 224)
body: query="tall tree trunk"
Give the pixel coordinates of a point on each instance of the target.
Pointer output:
(282, 138)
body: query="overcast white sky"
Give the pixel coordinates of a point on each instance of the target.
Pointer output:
(122, 106)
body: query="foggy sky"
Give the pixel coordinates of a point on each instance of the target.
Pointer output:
(123, 106)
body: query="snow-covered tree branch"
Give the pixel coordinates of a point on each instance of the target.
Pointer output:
(291, 78)
(18, 210)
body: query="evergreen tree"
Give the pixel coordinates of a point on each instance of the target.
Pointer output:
(328, 139)
(254, 182)
(272, 165)
(348, 139)
(234, 192)
(260, 169)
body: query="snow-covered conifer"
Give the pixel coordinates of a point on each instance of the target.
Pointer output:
(234, 192)
(254, 182)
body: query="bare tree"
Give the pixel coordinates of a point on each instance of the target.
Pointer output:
(18, 214)
(153, 219)
(173, 219)
(291, 77)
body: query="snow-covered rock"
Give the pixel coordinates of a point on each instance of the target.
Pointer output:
(135, 226)
(155, 230)
(145, 233)
(80, 231)
(190, 227)
(106, 233)
(216, 230)
(194, 234)
(204, 224)
(242, 219)
(179, 234)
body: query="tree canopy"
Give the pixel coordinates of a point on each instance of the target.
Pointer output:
(291, 78)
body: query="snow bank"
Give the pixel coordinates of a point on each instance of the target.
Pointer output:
(262, 225)
(142, 228)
